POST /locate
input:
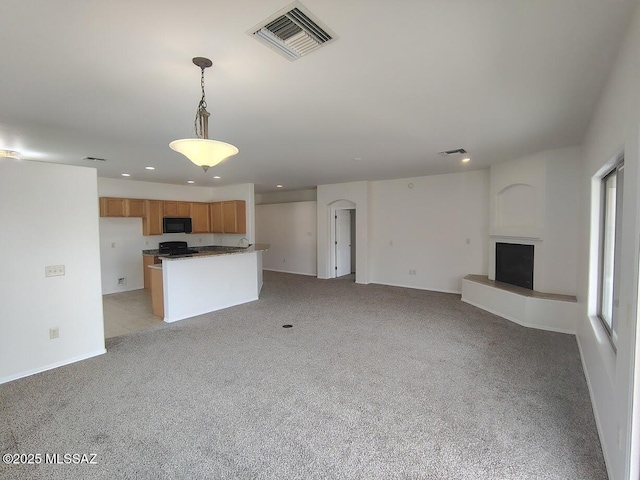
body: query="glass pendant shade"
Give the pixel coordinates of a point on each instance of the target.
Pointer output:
(204, 152)
(200, 150)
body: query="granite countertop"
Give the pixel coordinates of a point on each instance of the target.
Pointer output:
(210, 250)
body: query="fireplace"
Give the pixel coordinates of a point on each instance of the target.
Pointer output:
(514, 264)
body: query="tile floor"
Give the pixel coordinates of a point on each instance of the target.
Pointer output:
(128, 312)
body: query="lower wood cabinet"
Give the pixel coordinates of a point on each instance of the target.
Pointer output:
(157, 292)
(146, 261)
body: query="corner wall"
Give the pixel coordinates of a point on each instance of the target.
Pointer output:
(614, 128)
(290, 229)
(434, 225)
(52, 211)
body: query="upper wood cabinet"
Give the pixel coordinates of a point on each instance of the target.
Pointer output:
(177, 209)
(215, 209)
(112, 207)
(234, 216)
(134, 207)
(121, 207)
(152, 222)
(218, 217)
(200, 218)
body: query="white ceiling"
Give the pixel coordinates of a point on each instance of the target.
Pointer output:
(405, 80)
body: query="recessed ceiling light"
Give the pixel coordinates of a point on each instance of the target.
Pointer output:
(125, 174)
(217, 177)
(357, 159)
(150, 168)
(278, 186)
(191, 181)
(466, 160)
(10, 154)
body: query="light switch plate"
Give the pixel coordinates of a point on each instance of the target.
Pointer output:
(54, 271)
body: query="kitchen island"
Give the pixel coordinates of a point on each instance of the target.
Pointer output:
(207, 281)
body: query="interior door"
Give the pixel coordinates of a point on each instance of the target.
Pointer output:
(343, 242)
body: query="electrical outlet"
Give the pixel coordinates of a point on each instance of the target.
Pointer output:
(122, 281)
(54, 271)
(284, 261)
(468, 241)
(412, 272)
(200, 240)
(54, 333)
(113, 244)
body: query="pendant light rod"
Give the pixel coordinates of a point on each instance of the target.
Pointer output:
(202, 151)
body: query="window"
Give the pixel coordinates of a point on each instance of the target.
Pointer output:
(611, 214)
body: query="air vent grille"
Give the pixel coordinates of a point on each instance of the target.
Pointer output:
(94, 159)
(292, 32)
(457, 151)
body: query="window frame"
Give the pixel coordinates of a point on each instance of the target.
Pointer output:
(618, 171)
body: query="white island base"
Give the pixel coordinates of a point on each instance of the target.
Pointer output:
(202, 284)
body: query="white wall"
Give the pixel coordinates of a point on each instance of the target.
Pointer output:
(288, 196)
(357, 193)
(615, 127)
(50, 217)
(121, 239)
(290, 230)
(425, 228)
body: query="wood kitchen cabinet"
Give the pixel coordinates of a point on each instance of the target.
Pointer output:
(121, 207)
(157, 294)
(152, 222)
(112, 207)
(215, 211)
(146, 261)
(134, 207)
(200, 218)
(228, 217)
(177, 209)
(234, 216)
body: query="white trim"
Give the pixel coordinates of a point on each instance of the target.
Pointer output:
(605, 452)
(51, 366)
(512, 319)
(413, 287)
(289, 271)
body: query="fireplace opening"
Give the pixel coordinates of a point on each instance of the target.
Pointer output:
(514, 264)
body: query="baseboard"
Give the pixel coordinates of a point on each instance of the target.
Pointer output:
(519, 322)
(51, 366)
(289, 271)
(456, 292)
(593, 407)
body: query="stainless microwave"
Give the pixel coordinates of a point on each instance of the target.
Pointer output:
(176, 225)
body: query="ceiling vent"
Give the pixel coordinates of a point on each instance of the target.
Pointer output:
(457, 151)
(94, 159)
(293, 32)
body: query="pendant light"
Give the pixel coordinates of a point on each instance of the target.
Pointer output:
(202, 151)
